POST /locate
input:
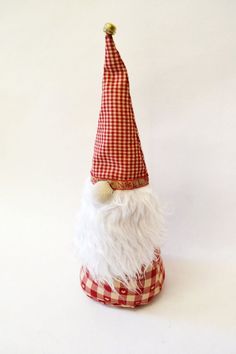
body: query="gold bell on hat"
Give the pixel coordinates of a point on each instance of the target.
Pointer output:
(109, 28)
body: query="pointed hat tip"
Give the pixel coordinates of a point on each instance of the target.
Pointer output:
(109, 28)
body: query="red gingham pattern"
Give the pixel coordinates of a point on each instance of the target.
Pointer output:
(118, 154)
(149, 284)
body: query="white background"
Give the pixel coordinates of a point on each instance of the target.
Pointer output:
(181, 60)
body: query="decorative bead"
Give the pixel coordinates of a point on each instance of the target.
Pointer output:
(109, 28)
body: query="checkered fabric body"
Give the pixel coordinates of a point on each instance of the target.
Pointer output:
(118, 155)
(149, 284)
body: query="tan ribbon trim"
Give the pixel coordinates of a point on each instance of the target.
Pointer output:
(124, 185)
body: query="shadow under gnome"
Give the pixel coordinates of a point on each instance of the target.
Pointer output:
(120, 224)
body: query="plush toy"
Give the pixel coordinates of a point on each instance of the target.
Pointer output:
(120, 224)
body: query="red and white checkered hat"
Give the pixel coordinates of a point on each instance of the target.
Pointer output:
(118, 156)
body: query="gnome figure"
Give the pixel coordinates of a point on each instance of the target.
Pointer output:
(120, 225)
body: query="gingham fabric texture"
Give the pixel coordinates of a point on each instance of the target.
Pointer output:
(118, 156)
(149, 284)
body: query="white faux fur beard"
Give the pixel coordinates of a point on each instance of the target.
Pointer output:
(115, 239)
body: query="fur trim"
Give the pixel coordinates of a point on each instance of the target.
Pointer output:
(115, 239)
